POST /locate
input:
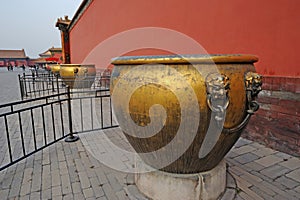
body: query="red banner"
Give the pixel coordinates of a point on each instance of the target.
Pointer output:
(52, 59)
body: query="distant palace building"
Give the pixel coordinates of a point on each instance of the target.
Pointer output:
(52, 55)
(13, 57)
(53, 52)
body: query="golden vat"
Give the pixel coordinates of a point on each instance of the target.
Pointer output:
(55, 68)
(183, 113)
(78, 75)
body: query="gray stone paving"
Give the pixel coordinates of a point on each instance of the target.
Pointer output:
(9, 88)
(73, 170)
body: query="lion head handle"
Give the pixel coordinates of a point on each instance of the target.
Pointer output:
(217, 86)
(253, 83)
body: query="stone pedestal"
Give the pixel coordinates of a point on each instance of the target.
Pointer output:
(209, 185)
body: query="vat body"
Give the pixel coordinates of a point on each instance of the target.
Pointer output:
(55, 68)
(183, 113)
(77, 75)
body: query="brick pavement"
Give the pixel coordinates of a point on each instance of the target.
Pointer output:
(70, 171)
(9, 88)
(73, 171)
(263, 173)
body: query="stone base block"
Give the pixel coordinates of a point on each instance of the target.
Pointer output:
(209, 185)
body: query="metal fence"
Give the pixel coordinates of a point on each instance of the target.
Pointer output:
(31, 125)
(92, 110)
(44, 83)
(33, 85)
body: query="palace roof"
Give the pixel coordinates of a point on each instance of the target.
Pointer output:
(13, 54)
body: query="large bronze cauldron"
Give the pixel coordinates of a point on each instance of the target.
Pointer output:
(77, 75)
(55, 69)
(182, 114)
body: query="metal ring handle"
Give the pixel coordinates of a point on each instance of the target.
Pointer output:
(253, 83)
(217, 100)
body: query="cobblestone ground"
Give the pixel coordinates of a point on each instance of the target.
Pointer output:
(73, 170)
(9, 88)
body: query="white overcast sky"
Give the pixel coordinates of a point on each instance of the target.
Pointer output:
(30, 24)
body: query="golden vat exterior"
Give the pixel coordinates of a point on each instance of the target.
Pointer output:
(55, 68)
(77, 75)
(196, 105)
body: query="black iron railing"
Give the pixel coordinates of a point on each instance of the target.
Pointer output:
(41, 84)
(25, 126)
(31, 125)
(97, 113)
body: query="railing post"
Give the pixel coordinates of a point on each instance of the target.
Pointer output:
(57, 87)
(21, 87)
(71, 137)
(51, 79)
(33, 77)
(24, 84)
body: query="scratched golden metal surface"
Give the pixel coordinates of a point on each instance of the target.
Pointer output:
(54, 68)
(193, 69)
(77, 75)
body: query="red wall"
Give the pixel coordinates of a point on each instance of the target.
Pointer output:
(276, 123)
(269, 29)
